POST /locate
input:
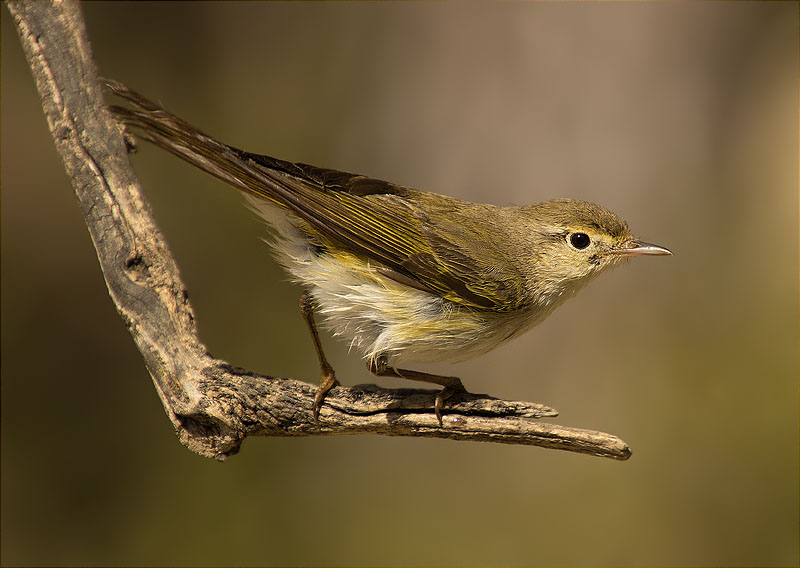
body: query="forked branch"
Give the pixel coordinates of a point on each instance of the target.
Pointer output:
(212, 405)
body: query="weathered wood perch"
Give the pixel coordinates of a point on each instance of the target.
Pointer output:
(212, 405)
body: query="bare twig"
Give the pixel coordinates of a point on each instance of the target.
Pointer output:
(212, 405)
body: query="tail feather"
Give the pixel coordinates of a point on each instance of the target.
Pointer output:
(153, 123)
(325, 211)
(362, 226)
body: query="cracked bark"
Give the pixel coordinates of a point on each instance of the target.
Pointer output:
(212, 405)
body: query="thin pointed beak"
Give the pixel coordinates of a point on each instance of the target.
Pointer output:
(639, 248)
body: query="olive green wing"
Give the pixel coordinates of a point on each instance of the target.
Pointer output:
(427, 241)
(422, 239)
(470, 254)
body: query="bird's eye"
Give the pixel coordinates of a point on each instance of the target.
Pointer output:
(579, 240)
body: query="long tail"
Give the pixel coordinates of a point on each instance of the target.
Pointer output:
(325, 199)
(153, 123)
(329, 201)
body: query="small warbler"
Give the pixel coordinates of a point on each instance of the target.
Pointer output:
(398, 272)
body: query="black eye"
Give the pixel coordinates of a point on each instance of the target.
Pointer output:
(579, 240)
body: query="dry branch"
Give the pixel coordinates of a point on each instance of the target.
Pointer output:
(212, 405)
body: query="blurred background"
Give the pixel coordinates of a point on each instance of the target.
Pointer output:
(680, 117)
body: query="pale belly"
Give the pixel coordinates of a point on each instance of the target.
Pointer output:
(378, 316)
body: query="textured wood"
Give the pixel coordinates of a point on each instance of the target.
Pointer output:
(212, 405)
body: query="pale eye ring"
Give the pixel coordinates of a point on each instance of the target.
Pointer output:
(579, 240)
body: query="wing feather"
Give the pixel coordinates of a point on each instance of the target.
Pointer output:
(437, 242)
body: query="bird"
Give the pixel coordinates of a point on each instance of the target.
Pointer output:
(400, 273)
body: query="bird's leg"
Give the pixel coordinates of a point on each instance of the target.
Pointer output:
(381, 368)
(328, 378)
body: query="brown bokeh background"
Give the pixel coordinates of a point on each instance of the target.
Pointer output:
(681, 117)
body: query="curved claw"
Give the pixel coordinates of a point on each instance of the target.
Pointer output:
(443, 395)
(327, 382)
(437, 406)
